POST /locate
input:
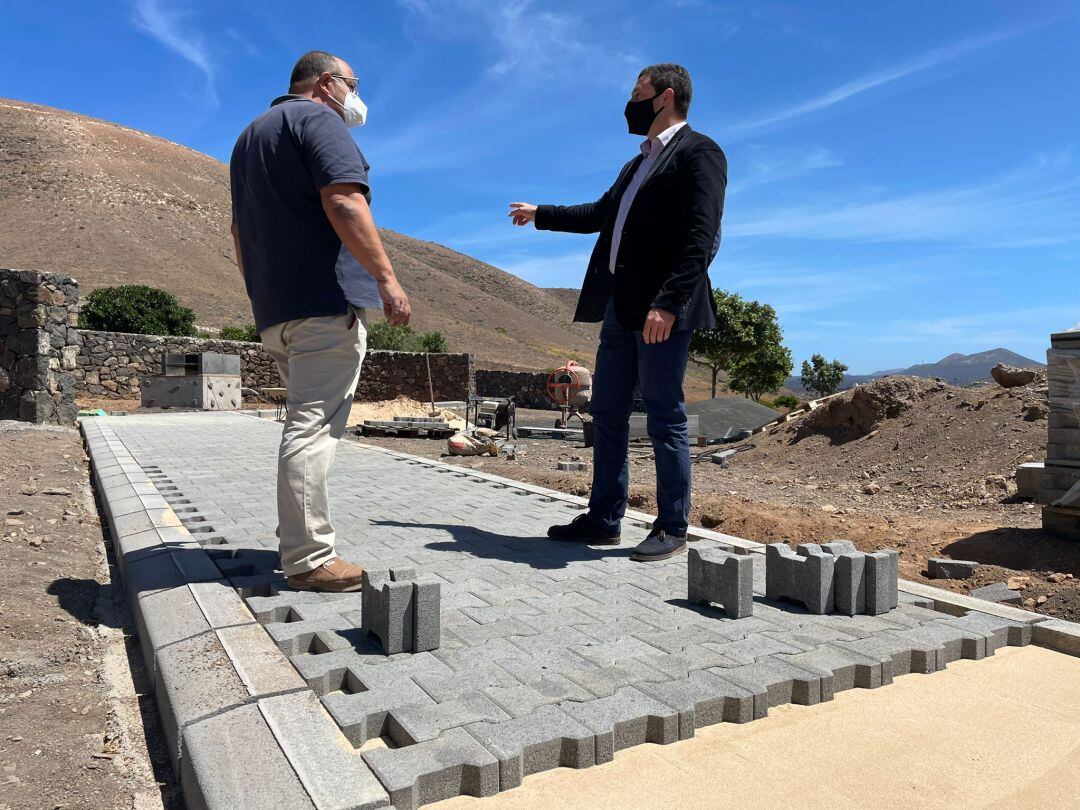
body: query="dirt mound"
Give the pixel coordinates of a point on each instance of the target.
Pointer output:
(857, 412)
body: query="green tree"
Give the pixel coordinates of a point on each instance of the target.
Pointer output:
(786, 401)
(382, 336)
(743, 330)
(761, 371)
(138, 309)
(821, 376)
(248, 334)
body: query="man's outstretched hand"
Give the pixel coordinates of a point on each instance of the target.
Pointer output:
(395, 302)
(522, 213)
(658, 325)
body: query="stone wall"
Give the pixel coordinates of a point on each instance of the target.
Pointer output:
(38, 346)
(109, 364)
(528, 388)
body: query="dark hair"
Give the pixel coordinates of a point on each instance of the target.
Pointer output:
(666, 75)
(310, 66)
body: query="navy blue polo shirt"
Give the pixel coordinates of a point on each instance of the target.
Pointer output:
(288, 247)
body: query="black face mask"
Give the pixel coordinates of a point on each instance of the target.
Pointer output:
(640, 115)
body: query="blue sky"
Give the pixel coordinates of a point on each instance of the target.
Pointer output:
(904, 178)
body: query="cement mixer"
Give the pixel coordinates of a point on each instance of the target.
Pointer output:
(569, 387)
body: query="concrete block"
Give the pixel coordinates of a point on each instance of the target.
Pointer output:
(849, 580)
(956, 642)
(777, 682)
(906, 656)
(882, 581)
(524, 699)
(426, 616)
(261, 666)
(998, 592)
(1006, 632)
(779, 583)
(194, 678)
(572, 466)
(401, 612)
(210, 776)
(333, 773)
(627, 718)
(704, 698)
(408, 725)
(1029, 479)
(1057, 634)
(813, 578)
(166, 617)
(362, 715)
(545, 739)
(942, 568)
(220, 604)
(721, 578)
(606, 681)
(445, 685)
(317, 635)
(847, 668)
(451, 765)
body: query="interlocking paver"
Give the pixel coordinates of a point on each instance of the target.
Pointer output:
(550, 655)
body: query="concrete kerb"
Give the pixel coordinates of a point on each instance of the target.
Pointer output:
(1055, 634)
(229, 699)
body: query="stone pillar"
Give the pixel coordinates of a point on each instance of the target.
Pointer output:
(39, 345)
(1060, 490)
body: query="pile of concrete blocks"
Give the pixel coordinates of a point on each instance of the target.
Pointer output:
(208, 382)
(833, 577)
(1060, 490)
(400, 611)
(719, 577)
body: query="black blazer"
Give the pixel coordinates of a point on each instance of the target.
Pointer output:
(671, 234)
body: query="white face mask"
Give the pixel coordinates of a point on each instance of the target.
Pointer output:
(354, 110)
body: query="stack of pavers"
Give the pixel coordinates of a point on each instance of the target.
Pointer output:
(408, 427)
(1060, 492)
(207, 381)
(833, 577)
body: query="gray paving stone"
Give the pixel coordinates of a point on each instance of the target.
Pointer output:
(165, 617)
(334, 775)
(882, 581)
(408, 725)
(718, 577)
(998, 592)
(849, 580)
(605, 681)
(944, 568)
(544, 739)
(194, 679)
(777, 682)
(454, 764)
(447, 685)
(363, 715)
(261, 666)
(519, 700)
(210, 778)
(704, 698)
(627, 718)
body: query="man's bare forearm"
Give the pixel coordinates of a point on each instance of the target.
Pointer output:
(351, 218)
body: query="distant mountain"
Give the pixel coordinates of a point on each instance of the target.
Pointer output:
(955, 369)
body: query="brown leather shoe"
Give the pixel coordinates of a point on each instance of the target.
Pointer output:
(333, 576)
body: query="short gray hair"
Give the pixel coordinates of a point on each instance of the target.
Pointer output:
(310, 66)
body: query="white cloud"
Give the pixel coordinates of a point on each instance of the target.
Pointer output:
(765, 165)
(167, 27)
(1032, 206)
(924, 63)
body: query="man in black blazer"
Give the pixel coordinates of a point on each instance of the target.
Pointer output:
(648, 281)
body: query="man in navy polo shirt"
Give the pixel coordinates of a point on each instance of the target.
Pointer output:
(312, 259)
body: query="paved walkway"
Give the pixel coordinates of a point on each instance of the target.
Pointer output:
(551, 654)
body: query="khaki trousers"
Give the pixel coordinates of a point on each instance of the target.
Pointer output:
(319, 362)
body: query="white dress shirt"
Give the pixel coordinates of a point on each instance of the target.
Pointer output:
(651, 149)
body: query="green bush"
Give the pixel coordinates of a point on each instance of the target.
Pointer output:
(244, 333)
(381, 336)
(786, 401)
(138, 309)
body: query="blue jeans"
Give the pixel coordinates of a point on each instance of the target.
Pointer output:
(624, 361)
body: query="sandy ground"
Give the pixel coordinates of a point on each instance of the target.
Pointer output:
(73, 694)
(1002, 733)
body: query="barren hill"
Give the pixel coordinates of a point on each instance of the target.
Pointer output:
(111, 205)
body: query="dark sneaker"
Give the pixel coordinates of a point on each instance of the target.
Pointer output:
(659, 545)
(582, 530)
(333, 576)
